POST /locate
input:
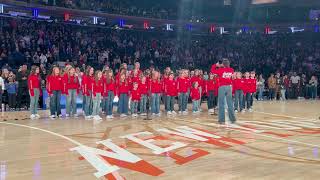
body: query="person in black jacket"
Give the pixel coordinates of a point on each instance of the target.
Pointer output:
(23, 95)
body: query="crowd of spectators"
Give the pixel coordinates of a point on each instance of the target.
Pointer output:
(42, 43)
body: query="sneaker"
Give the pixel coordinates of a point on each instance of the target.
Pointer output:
(88, 118)
(97, 118)
(123, 115)
(67, 115)
(194, 112)
(144, 114)
(180, 112)
(173, 113)
(37, 116)
(75, 115)
(109, 117)
(236, 111)
(153, 114)
(250, 110)
(52, 116)
(243, 111)
(185, 112)
(159, 114)
(60, 115)
(32, 116)
(169, 113)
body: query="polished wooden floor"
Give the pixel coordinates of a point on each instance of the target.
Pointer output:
(279, 140)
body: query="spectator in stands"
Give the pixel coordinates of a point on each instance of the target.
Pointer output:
(295, 81)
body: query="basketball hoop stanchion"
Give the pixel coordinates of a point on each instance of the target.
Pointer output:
(148, 117)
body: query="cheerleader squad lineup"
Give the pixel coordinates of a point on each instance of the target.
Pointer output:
(136, 92)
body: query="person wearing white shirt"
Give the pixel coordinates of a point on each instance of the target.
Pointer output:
(295, 80)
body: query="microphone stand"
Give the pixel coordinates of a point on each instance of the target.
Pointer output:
(148, 117)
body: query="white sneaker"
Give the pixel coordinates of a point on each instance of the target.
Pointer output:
(97, 117)
(236, 111)
(243, 111)
(159, 114)
(67, 115)
(194, 112)
(153, 114)
(169, 113)
(60, 116)
(180, 112)
(174, 113)
(250, 110)
(32, 116)
(185, 112)
(52, 116)
(37, 116)
(109, 117)
(75, 115)
(144, 114)
(88, 118)
(123, 115)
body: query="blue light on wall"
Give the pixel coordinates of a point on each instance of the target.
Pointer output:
(121, 23)
(189, 27)
(95, 20)
(35, 13)
(316, 28)
(1, 8)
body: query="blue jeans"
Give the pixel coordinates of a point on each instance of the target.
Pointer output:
(55, 107)
(134, 107)
(212, 100)
(109, 104)
(225, 92)
(33, 101)
(123, 104)
(170, 103)
(96, 104)
(84, 101)
(313, 92)
(260, 95)
(88, 105)
(238, 100)
(195, 105)
(71, 106)
(143, 104)
(183, 101)
(164, 98)
(155, 103)
(248, 100)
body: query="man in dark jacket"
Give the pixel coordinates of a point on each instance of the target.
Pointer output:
(23, 94)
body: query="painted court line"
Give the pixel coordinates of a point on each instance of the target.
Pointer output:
(115, 174)
(256, 133)
(272, 114)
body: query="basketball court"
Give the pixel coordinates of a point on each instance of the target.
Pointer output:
(279, 140)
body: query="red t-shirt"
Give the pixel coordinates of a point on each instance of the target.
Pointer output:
(224, 74)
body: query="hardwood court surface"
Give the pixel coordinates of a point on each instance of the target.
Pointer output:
(279, 140)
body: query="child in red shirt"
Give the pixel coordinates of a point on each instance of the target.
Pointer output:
(123, 88)
(211, 89)
(143, 87)
(238, 86)
(135, 99)
(156, 89)
(55, 88)
(183, 89)
(246, 92)
(97, 90)
(171, 93)
(72, 86)
(195, 96)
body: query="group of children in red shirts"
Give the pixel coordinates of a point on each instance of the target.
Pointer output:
(100, 89)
